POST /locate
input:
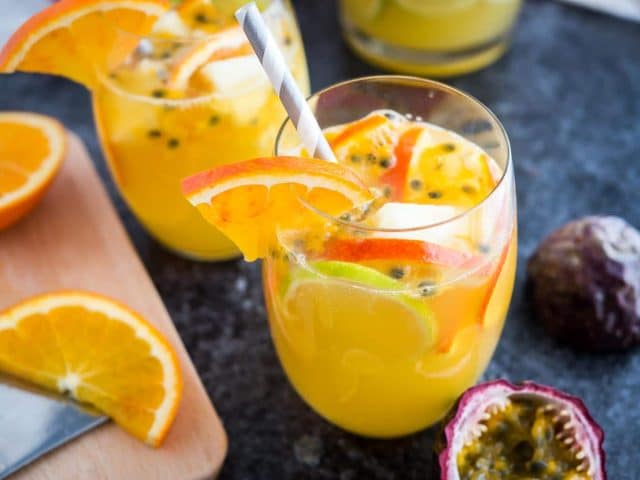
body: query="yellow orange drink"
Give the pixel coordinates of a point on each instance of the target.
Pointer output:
(429, 37)
(388, 274)
(192, 95)
(384, 316)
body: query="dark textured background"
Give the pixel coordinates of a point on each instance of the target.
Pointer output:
(569, 95)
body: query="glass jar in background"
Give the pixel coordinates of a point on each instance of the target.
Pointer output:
(436, 38)
(190, 96)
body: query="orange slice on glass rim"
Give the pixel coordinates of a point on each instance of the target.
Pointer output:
(32, 148)
(71, 37)
(97, 351)
(250, 200)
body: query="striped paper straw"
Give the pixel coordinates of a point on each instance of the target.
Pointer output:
(283, 83)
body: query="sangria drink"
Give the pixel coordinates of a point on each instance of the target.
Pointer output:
(387, 275)
(429, 37)
(189, 96)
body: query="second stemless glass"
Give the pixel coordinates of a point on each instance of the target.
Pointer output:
(429, 37)
(156, 129)
(373, 358)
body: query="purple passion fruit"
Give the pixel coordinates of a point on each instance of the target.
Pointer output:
(498, 430)
(585, 284)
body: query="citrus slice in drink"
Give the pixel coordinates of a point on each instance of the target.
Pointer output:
(228, 43)
(32, 148)
(250, 200)
(434, 7)
(446, 169)
(395, 249)
(370, 9)
(367, 145)
(331, 295)
(97, 351)
(71, 37)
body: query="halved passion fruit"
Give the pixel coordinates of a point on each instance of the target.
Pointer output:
(498, 430)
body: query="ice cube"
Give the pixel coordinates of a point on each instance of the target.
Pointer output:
(240, 82)
(400, 216)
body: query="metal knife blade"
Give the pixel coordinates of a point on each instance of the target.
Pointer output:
(33, 422)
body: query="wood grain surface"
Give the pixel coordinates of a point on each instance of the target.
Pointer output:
(75, 240)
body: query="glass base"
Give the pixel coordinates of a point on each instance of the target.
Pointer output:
(424, 62)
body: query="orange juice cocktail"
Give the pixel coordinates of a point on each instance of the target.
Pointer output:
(429, 37)
(191, 95)
(383, 315)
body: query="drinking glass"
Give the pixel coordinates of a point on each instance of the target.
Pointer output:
(162, 113)
(429, 37)
(374, 355)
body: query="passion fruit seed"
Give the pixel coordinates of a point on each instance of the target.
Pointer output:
(448, 147)
(173, 143)
(396, 272)
(385, 163)
(523, 439)
(214, 120)
(201, 18)
(435, 194)
(415, 184)
(158, 93)
(426, 288)
(154, 133)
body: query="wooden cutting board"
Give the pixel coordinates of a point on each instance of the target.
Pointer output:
(74, 239)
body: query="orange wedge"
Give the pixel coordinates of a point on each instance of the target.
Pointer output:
(367, 145)
(228, 43)
(32, 148)
(97, 351)
(71, 37)
(250, 200)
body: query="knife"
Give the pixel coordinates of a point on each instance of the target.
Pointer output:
(34, 422)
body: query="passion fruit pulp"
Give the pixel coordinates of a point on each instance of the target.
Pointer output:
(498, 430)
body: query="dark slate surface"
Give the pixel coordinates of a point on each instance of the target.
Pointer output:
(569, 95)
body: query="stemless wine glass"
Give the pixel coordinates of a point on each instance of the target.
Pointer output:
(190, 96)
(429, 37)
(379, 345)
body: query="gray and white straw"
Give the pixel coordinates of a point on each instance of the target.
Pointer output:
(283, 83)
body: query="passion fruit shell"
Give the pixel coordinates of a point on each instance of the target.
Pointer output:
(584, 281)
(499, 430)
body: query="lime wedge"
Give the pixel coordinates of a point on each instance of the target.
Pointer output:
(370, 8)
(353, 308)
(434, 7)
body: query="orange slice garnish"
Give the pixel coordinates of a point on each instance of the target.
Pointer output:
(32, 148)
(72, 37)
(250, 200)
(97, 351)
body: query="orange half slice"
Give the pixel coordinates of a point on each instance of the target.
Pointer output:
(97, 351)
(71, 37)
(250, 200)
(32, 148)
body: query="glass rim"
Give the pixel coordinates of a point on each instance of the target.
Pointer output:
(178, 38)
(188, 102)
(425, 82)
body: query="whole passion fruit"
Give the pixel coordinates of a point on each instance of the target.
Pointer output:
(585, 284)
(498, 430)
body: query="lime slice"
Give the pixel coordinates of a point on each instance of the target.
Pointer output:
(370, 8)
(351, 308)
(434, 7)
